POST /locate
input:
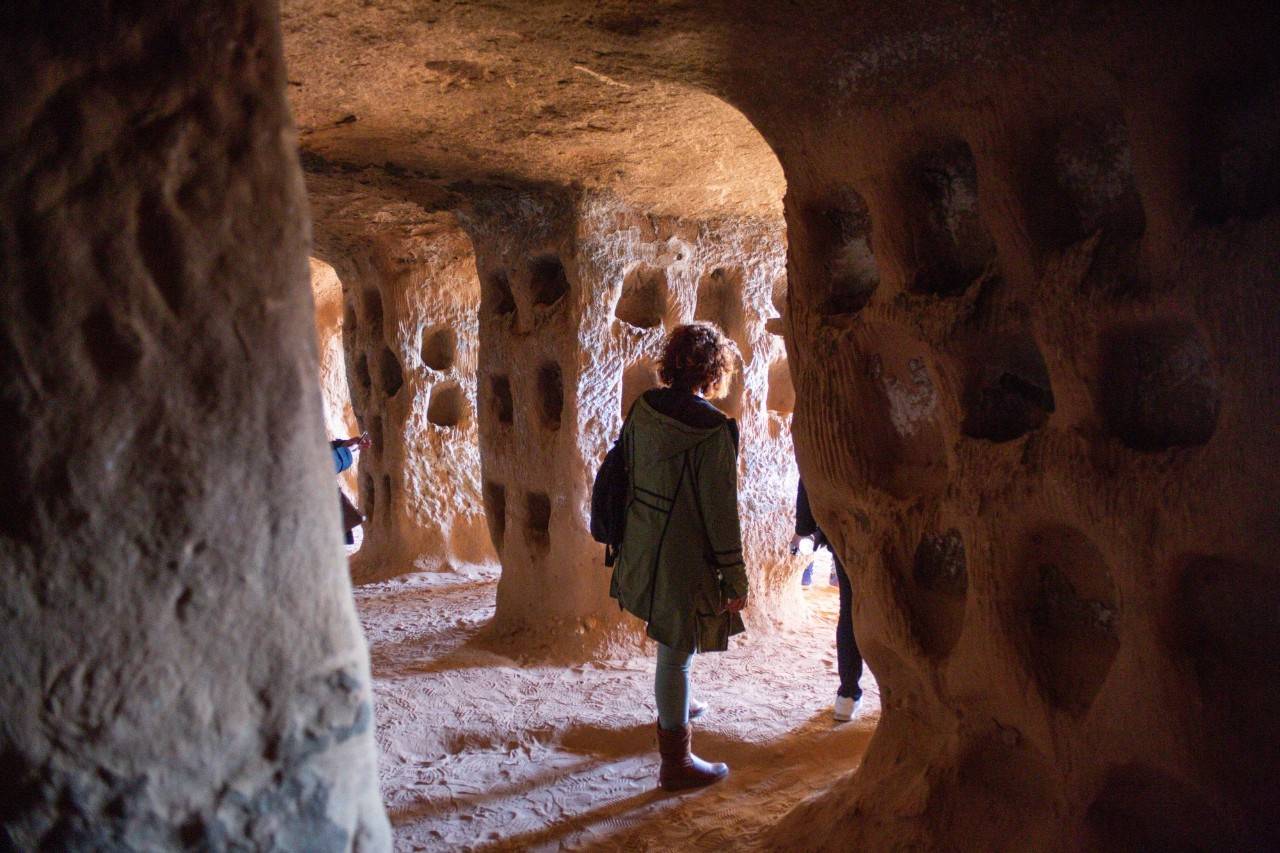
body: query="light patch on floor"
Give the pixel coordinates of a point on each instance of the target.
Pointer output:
(480, 752)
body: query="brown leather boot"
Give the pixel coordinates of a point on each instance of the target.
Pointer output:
(681, 769)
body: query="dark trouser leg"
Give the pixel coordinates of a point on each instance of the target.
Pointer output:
(848, 659)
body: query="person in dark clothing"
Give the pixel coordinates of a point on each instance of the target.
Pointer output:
(344, 458)
(848, 658)
(680, 566)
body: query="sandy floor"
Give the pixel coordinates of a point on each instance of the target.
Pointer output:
(481, 753)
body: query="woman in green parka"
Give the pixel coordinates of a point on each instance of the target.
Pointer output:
(680, 565)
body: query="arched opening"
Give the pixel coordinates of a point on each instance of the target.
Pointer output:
(416, 384)
(335, 322)
(540, 353)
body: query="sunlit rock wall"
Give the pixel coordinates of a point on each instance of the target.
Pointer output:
(579, 292)
(410, 332)
(181, 666)
(1035, 329)
(339, 417)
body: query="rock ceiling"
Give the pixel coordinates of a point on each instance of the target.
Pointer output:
(453, 91)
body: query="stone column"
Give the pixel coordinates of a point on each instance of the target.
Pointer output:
(1033, 325)
(183, 666)
(410, 334)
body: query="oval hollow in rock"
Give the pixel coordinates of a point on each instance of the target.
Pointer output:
(1158, 386)
(884, 397)
(440, 348)
(366, 491)
(448, 406)
(955, 247)
(643, 302)
(547, 280)
(1067, 617)
(498, 294)
(1000, 796)
(841, 236)
(1142, 808)
(537, 508)
(364, 380)
(1236, 158)
(1093, 169)
(550, 394)
(500, 394)
(934, 591)
(940, 565)
(1008, 393)
(778, 295)
(390, 373)
(495, 511)
(375, 434)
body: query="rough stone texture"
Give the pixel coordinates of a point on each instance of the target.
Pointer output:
(1058, 401)
(410, 335)
(182, 665)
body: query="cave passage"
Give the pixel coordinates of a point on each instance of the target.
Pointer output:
(1000, 281)
(471, 383)
(464, 356)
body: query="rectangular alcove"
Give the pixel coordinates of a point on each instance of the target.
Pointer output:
(550, 395)
(537, 529)
(500, 394)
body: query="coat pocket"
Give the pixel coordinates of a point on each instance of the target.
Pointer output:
(713, 632)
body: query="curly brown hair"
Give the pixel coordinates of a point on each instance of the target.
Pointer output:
(697, 357)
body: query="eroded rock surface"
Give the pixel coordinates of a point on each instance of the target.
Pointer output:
(411, 307)
(182, 667)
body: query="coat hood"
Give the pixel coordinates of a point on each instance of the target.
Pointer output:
(665, 424)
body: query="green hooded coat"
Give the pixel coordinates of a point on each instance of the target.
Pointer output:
(681, 554)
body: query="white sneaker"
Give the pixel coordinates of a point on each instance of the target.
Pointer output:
(843, 711)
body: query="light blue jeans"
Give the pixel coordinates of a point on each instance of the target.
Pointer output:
(671, 687)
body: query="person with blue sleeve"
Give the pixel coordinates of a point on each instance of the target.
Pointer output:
(344, 458)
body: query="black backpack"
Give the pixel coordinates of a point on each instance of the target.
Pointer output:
(609, 502)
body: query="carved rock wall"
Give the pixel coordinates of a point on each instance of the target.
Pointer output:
(182, 665)
(410, 336)
(1034, 336)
